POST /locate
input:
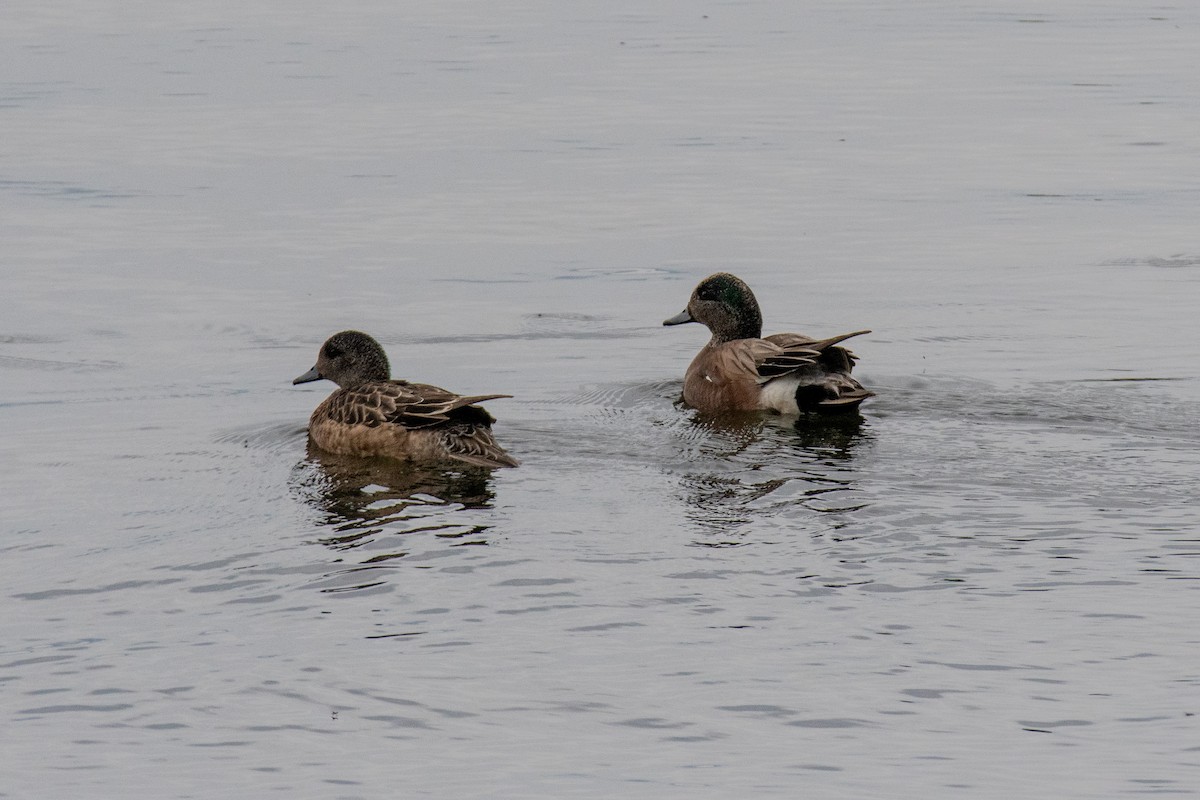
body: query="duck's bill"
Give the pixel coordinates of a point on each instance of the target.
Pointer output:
(679, 319)
(308, 377)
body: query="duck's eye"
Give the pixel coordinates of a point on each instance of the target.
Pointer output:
(707, 293)
(332, 352)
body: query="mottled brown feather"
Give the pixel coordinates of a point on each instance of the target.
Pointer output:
(370, 415)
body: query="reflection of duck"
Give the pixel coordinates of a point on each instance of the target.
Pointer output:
(368, 491)
(376, 511)
(741, 370)
(734, 433)
(372, 415)
(753, 466)
(837, 435)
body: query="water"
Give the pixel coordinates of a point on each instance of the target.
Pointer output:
(984, 587)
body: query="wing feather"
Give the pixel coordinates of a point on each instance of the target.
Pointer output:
(827, 354)
(410, 405)
(766, 360)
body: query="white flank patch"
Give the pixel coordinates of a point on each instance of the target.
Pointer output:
(780, 395)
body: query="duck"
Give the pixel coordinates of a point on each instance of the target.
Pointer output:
(742, 370)
(372, 415)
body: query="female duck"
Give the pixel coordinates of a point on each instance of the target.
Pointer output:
(372, 415)
(741, 370)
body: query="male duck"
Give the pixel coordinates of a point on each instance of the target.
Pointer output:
(741, 370)
(372, 415)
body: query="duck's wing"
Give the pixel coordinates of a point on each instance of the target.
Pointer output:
(463, 428)
(828, 354)
(420, 405)
(764, 360)
(748, 362)
(410, 405)
(372, 404)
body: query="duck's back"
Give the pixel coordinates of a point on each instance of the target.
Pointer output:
(416, 422)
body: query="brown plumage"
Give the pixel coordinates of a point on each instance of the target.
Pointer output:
(372, 415)
(741, 370)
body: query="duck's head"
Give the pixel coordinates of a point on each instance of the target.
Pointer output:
(349, 358)
(726, 306)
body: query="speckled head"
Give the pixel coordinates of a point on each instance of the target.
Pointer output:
(348, 359)
(726, 306)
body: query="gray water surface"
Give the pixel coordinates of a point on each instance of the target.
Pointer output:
(984, 586)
